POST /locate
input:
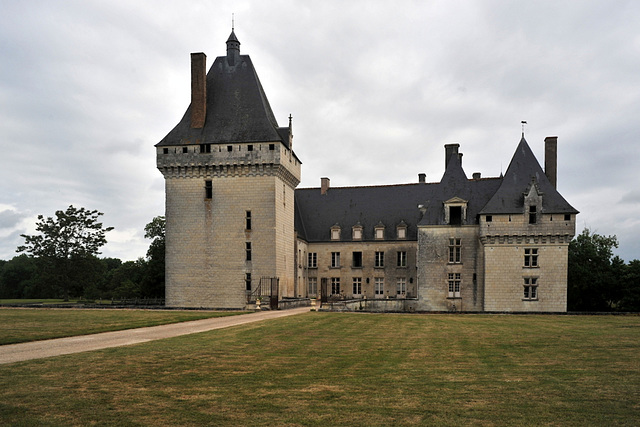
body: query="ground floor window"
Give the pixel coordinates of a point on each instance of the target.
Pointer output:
(530, 288)
(313, 286)
(357, 285)
(454, 285)
(379, 286)
(335, 286)
(401, 286)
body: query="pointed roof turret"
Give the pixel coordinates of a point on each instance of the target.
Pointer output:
(524, 170)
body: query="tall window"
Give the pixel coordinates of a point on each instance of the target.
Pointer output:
(402, 259)
(208, 189)
(312, 260)
(455, 215)
(533, 211)
(401, 286)
(357, 259)
(247, 250)
(357, 285)
(379, 286)
(313, 286)
(454, 285)
(531, 257)
(335, 259)
(455, 251)
(247, 220)
(379, 260)
(335, 286)
(247, 281)
(530, 288)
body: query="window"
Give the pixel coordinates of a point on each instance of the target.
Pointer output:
(530, 288)
(402, 259)
(205, 148)
(247, 281)
(455, 251)
(454, 285)
(249, 147)
(335, 259)
(401, 286)
(379, 286)
(247, 249)
(356, 232)
(272, 147)
(247, 220)
(379, 260)
(313, 286)
(229, 148)
(357, 285)
(533, 214)
(357, 259)
(402, 232)
(312, 260)
(165, 151)
(530, 257)
(335, 286)
(208, 189)
(335, 232)
(185, 150)
(489, 218)
(567, 217)
(455, 215)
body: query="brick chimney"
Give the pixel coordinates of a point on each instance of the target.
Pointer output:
(422, 178)
(324, 185)
(198, 89)
(551, 159)
(449, 150)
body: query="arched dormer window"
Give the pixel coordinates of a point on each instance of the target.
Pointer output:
(533, 203)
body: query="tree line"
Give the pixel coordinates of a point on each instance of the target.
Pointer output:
(61, 261)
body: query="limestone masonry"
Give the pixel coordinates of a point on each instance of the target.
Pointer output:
(238, 231)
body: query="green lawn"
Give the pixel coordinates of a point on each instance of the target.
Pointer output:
(330, 369)
(30, 324)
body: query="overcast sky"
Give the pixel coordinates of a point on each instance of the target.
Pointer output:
(375, 89)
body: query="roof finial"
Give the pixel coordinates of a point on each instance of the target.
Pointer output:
(290, 119)
(523, 122)
(233, 23)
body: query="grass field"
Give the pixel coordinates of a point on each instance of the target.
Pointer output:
(23, 325)
(331, 369)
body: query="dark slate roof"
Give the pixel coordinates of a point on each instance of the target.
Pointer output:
(237, 109)
(391, 205)
(522, 171)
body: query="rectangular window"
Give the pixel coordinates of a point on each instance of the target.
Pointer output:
(532, 214)
(208, 189)
(335, 286)
(357, 285)
(402, 259)
(379, 286)
(357, 234)
(455, 215)
(455, 251)
(247, 249)
(567, 217)
(205, 148)
(312, 260)
(454, 285)
(379, 233)
(335, 234)
(185, 150)
(247, 281)
(165, 151)
(489, 218)
(249, 147)
(313, 286)
(531, 257)
(379, 260)
(335, 259)
(247, 220)
(357, 259)
(402, 233)
(272, 147)
(401, 286)
(530, 288)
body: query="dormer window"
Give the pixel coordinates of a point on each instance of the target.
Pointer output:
(455, 211)
(533, 214)
(356, 232)
(401, 231)
(379, 231)
(335, 232)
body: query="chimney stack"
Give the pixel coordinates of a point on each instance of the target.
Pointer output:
(422, 178)
(449, 150)
(477, 176)
(324, 185)
(551, 159)
(198, 89)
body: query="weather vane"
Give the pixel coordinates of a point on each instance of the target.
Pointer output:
(233, 23)
(523, 122)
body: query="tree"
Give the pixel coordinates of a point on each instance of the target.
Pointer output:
(594, 273)
(153, 280)
(66, 242)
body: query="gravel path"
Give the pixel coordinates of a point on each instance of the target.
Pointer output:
(48, 348)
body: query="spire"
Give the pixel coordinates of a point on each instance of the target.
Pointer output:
(233, 48)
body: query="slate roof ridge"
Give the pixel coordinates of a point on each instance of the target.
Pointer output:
(370, 186)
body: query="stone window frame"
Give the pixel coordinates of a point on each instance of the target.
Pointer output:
(312, 260)
(530, 289)
(335, 232)
(357, 259)
(357, 285)
(401, 231)
(378, 231)
(312, 285)
(335, 286)
(455, 250)
(401, 259)
(335, 259)
(455, 202)
(531, 258)
(357, 232)
(378, 286)
(248, 251)
(378, 259)
(454, 285)
(401, 286)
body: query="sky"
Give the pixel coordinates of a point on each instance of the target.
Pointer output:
(376, 89)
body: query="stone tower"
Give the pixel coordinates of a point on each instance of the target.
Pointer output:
(230, 174)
